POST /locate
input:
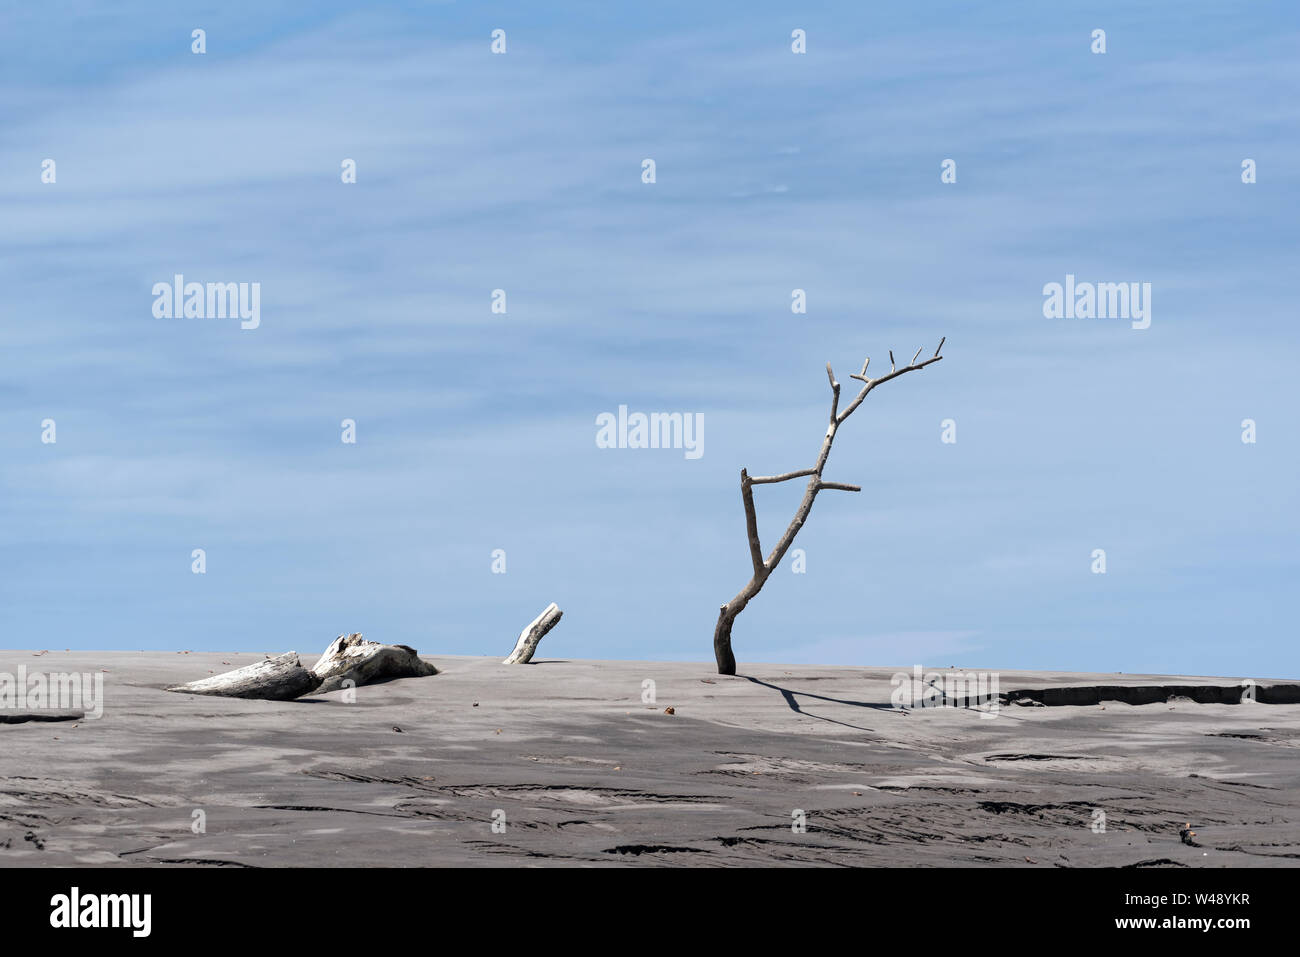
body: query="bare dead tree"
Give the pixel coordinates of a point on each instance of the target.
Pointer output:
(763, 569)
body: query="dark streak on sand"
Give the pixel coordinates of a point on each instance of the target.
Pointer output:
(20, 717)
(587, 774)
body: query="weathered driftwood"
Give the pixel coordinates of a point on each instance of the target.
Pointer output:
(531, 636)
(281, 678)
(349, 658)
(353, 658)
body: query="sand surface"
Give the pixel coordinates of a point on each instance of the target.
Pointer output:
(583, 772)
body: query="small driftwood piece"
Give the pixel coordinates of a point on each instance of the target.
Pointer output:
(531, 636)
(353, 658)
(281, 678)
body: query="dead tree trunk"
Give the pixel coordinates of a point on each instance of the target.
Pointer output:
(763, 568)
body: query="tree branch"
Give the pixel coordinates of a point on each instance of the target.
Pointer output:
(839, 486)
(751, 524)
(783, 477)
(871, 384)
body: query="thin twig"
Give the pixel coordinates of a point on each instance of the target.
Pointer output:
(839, 486)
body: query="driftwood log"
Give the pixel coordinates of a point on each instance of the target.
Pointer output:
(531, 636)
(281, 678)
(353, 658)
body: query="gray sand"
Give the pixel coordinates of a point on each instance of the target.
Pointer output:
(587, 774)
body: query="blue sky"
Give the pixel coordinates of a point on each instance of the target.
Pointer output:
(775, 171)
